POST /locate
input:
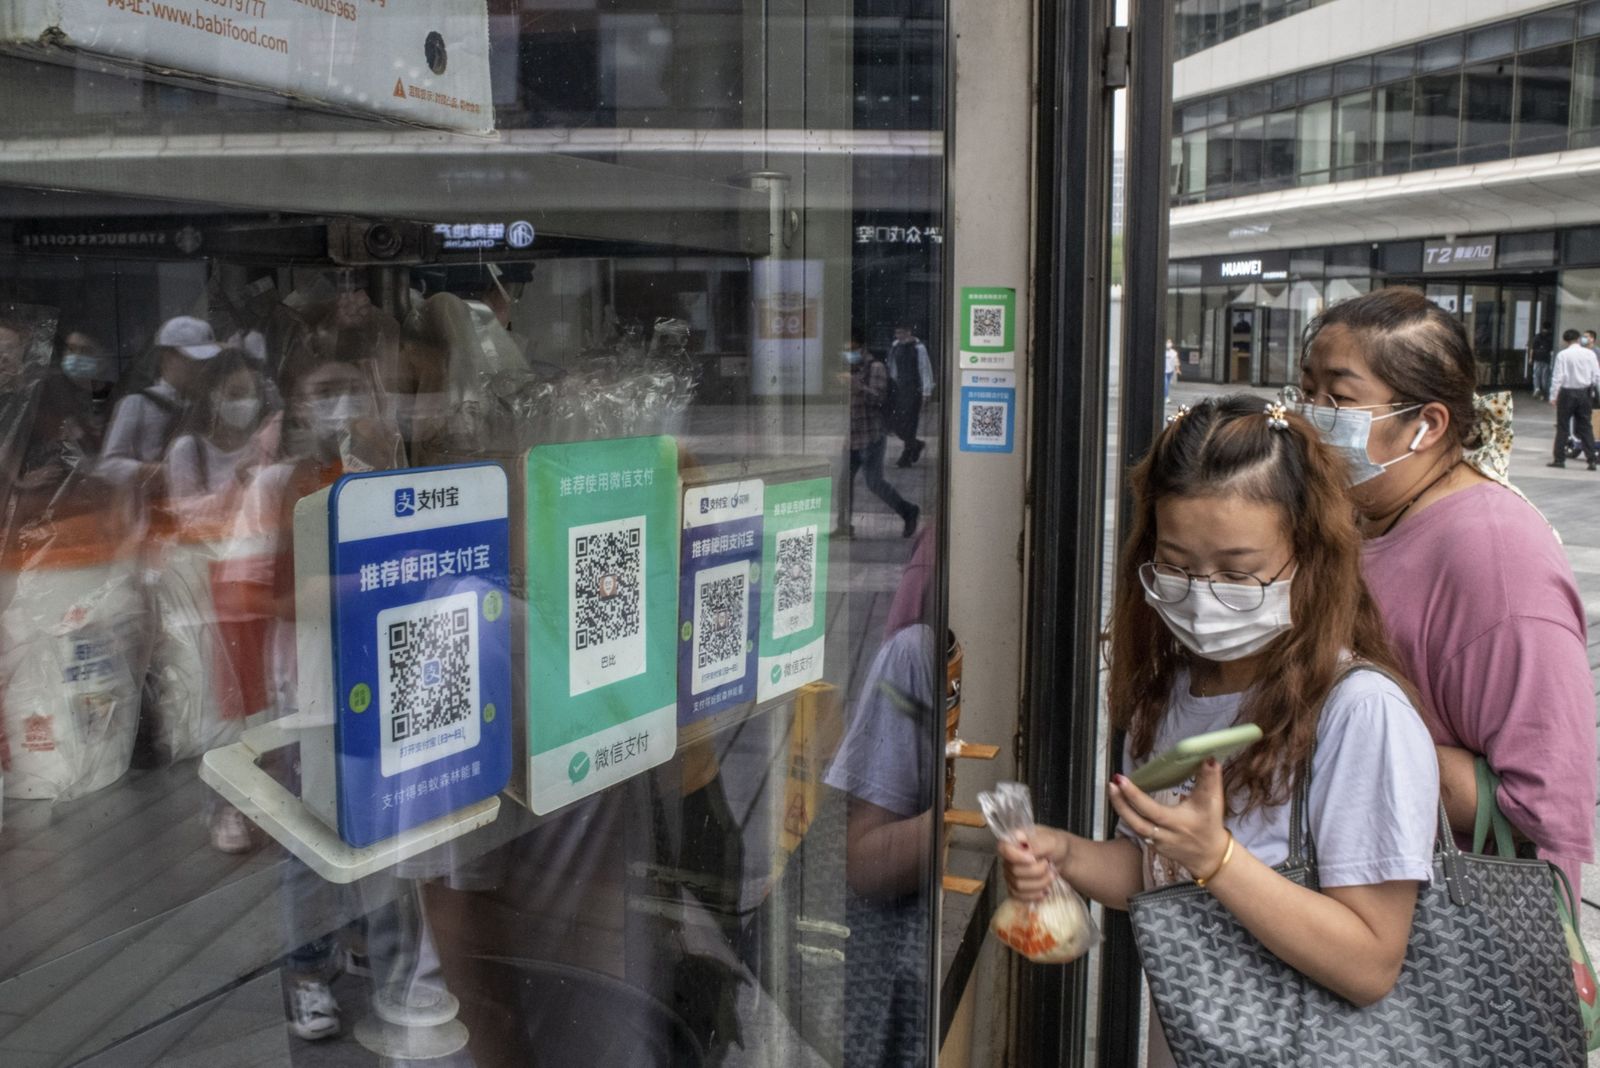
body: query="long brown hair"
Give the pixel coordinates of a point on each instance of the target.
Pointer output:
(1223, 447)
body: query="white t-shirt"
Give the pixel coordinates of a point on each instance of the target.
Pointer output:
(1374, 785)
(196, 467)
(1374, 794)
(1172, 359)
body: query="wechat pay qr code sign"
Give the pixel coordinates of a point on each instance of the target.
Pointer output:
(794, 569)
(608, 603)
(988, 328)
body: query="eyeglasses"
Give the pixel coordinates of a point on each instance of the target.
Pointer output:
(1326, 416)
(1237, 590)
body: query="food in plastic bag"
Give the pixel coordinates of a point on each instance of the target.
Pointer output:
(71, 661)
(1055, 929)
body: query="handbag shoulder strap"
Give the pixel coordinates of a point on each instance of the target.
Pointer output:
(1302, 844)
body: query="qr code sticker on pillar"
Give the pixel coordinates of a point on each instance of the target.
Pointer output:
(606, 579)
(986, 424)
(721, 624)
(428, 679)
(988, 326)
(795, 582)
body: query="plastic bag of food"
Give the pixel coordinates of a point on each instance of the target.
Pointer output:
(1055, 929)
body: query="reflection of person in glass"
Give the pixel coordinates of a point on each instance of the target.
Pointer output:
(882, 766)
(868, 381)
(912, 372)
(143, 423)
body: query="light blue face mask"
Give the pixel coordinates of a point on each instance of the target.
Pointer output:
(851, 356)
(1348, 430)
(88, 368)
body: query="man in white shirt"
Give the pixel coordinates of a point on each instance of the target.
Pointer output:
(1575, 373)
(143, 423)
(1172, 367)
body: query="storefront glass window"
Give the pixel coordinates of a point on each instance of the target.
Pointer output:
(1280, 148)
(441, 603)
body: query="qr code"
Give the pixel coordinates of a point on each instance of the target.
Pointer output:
(986, 424)
(608, 602)
(795, 582)
(428, 680)
(988, 325)
(721, 624)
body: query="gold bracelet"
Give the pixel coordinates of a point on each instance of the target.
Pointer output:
(1227, 855)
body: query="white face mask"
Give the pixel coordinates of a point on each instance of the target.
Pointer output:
(1210, 629)
(86, 368)
(1349, 430)
(851, 356)
(239, 414)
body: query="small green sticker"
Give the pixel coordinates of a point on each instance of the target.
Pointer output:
(488, 712)
(493, 605)
(578, 770)
(360, 697)
(687, 631)
(777, 674)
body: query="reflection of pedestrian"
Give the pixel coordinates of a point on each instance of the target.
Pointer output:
(912, 372)
(143, 424)
(1542, 349)
(1172, 368)
(868, 380)
(1575, 374)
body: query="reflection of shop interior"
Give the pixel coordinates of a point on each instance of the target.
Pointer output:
(209, 918)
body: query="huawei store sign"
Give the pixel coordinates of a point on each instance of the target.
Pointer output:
(1461, 254)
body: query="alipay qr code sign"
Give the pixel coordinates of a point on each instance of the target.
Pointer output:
(794, 568)
(988, 411)
(988, 328)
(420, 568)
(602, 570)
(719, 597)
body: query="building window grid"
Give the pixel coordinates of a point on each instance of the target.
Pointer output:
(1489, 121)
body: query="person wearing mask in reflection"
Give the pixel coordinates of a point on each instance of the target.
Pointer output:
(1171, 368)
(912, 372)
(868, 382)
(332, 426)
(93, 371)
(1588, 339)
(1478, 596)
(207, 458)
(144, 423)
(1571, 382)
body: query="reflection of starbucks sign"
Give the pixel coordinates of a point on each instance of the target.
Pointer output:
(520, 234)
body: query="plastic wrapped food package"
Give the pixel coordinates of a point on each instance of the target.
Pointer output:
(1055, 929)
(187, 669)
(72, 660)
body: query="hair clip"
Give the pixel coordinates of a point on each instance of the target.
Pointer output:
(1277, 416)
(1183, 410)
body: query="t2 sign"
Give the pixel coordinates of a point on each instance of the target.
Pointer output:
(1466, 254)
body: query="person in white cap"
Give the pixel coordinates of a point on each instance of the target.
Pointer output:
(143, 423)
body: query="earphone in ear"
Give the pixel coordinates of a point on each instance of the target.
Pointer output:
(1422, 432)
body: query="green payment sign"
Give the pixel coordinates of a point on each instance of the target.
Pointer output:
(988, 329)
(602, 558)
(794, 569)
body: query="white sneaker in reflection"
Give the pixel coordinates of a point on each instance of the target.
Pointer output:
(230, 831)
(313, 1013)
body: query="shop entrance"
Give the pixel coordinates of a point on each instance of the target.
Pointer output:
(1504, 320)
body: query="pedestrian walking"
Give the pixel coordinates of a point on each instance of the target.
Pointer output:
(1172, 368)
(1240, 600)
(912, 372)
(1572, 382)
(868, 381)
(1542, 349)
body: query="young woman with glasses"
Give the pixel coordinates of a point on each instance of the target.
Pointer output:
(1474, 587)
(1240, 600)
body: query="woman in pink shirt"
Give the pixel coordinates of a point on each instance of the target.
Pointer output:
(1477, 593)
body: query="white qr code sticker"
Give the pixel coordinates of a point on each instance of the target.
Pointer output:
(988, 326)
(427, 681)
(795, 582)
(986, 424)
(721, 624)
(607, 573)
